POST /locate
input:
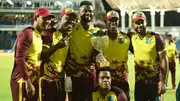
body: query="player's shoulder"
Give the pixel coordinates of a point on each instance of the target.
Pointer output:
(158, 37)
(123, 34)
(28, 29)
(154, 33)
(26, 32)
(95, 93)
(131, 34)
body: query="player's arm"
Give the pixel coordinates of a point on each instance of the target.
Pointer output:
(48, 50)
(163, 60)
(121, 96)
(22, 46)
(129, 34)
(176, 53)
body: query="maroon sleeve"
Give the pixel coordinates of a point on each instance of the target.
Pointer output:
(160, 45)
(122, 96)
(119, 93)
(23, 43)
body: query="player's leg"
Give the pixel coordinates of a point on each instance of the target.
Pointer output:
(61, 94)
(18, 89)
(152, 91)
(88, 84)
(178, 93)
(76, 94)
(172, 67)
(46, 90)
(139, 94)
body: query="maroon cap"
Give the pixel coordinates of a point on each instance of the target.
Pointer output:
(68, 11)
(111, 14)
(42, 12)
(138, 15)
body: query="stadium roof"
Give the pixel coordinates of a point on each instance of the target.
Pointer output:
(144, 5)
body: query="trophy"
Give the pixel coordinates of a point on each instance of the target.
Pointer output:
(100, 43)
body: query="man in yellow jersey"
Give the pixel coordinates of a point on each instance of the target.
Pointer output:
(150, 60)
(105, 91)
(117, 52)
(79, 58)
(172, 53)
(27, 58)
(55, 50)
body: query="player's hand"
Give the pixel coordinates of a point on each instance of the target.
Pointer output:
(92, 67)
(162, 88)
(64, 42)
(101, 32)
(30, 88)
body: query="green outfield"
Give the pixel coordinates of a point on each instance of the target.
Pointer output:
(6, 64)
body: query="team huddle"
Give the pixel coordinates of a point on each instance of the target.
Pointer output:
(58, 63)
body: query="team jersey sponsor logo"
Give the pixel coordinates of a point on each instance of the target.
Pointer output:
(121, 40)
(110, 98)
(148, 40)
(93, 31)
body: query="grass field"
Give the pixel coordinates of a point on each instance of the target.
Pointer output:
(6, 63)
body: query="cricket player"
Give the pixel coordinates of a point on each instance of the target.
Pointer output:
(117, 52)
(172, 53)
(150, 58)
(55, 50)
(79, 58)
(24, 77)
(105, 92)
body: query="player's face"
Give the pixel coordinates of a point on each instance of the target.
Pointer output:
(170, 38)
(86, 13)
(68, 22)
(44, 22)
(140, 26)
(112, 24)
(104, 80)
(50, 22)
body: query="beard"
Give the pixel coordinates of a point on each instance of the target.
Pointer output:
(141, 31)
(86, 19)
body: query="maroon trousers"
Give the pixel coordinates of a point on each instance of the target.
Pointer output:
(19, 92)
(146, 92)
(53, 90)
(82, 89)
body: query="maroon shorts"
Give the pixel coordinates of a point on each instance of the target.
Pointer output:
(19, 92)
